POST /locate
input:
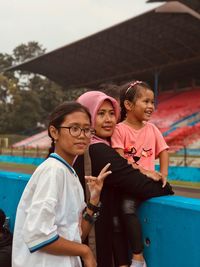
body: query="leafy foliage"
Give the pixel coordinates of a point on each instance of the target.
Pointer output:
(27, 51)
(26, 99)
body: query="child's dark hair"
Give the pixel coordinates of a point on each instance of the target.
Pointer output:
(131, 91)
(58, 115)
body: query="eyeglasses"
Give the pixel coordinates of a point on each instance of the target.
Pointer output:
(75, 131)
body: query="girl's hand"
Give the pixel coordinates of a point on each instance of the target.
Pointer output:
(158, 176)
(89, 259)
(95, 184)
(164, 180)
(155, 175)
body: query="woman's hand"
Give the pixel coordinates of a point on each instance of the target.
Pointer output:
(95, 184)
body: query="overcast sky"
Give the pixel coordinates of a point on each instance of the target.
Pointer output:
(55, 23)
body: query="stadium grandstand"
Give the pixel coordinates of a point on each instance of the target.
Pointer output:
(40, 140)
(177, 116)
(160, 46)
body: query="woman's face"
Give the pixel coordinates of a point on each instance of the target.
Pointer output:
(66, 145)
(105, 120)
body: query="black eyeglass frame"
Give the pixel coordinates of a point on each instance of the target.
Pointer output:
(91, 131)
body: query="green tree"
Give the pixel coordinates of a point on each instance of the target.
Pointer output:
(49, 94)
(20, 109)
(5, 61)
(8, 88)
(27, 99)
(25, 113)
(27, 51)
(8, 91)
(73, 94)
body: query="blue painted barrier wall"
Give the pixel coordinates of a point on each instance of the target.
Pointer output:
(21, 160)
(11, 188)
(181, 173)
(175, 172)
(171, 230)
(171, 224)
(189, 174)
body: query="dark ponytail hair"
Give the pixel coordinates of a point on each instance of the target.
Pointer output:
(131, 91)
(58, 115)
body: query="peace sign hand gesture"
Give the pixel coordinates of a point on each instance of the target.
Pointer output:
(95, 184)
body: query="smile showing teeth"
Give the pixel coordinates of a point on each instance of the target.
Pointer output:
(148, 112)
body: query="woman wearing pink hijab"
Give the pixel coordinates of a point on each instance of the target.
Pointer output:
(123, 179)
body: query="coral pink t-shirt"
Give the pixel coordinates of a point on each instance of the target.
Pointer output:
(142, 146)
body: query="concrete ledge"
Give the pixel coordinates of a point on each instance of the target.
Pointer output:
(171, 231)
(170, 224)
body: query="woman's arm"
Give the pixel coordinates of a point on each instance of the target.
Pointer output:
(123, 176)
(156, 176)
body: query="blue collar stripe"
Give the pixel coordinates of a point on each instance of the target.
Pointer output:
(59, 158)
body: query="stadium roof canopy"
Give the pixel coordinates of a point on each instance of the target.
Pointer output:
(194, 4)
(163, 40)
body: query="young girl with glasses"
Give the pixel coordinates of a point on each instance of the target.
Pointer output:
(52, 218)
(140, 142)
(111, 242)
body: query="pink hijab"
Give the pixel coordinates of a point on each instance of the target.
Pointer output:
(93, 100)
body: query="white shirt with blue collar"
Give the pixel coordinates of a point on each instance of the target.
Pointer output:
(51, 206)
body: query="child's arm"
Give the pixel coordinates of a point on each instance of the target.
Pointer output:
(164, 163)
(156, 176)
(70, 248)
(120, 151)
